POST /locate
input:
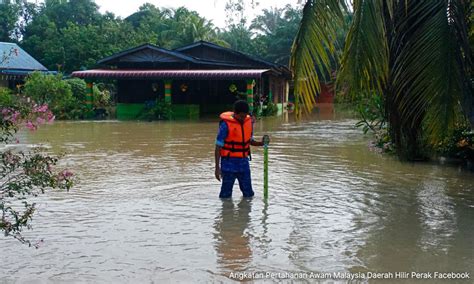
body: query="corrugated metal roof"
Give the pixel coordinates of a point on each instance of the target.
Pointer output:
(19, 59)
(171, 74)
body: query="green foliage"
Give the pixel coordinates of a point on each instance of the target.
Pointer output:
(270, 109)
(66, 97)
(372, 113)
(458, 144)
(15, 15)
(46, 89)
(157, 110)
(78, 88)
(269, 36)
(240, 38)
(102, 97)
(276, 29)
(73, 35)
(313, 48)
(77, 12)
(57, 93)
(6, 98)
(183, 27)
(9, 12)
(416, 53)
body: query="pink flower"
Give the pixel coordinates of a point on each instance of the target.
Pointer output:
(30, 126)
(51, 117)
(67, 173)
(40, 120)
(42, 108)
(15, 116)
(64, 175)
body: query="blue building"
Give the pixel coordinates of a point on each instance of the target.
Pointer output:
(16, 64)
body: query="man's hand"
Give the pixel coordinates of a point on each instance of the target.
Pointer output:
(266, 140)
(218, 158)
(218, 173)
(261, 143)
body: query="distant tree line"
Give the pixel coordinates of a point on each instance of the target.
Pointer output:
(73, 35)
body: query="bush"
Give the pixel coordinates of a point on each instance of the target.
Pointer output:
(55, 92)
(101, 97)
(372, 113)
(459, 144)
(6, 98)
(78, 88)
(157, 110)
(270, 110)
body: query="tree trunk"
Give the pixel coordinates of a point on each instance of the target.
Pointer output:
(468, 106)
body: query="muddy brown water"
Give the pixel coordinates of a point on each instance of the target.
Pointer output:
(146, 207)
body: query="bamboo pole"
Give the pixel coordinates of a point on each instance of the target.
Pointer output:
(266, 141)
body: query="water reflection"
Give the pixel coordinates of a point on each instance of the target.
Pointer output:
(232, 242)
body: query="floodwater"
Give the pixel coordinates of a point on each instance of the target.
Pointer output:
(146, 209)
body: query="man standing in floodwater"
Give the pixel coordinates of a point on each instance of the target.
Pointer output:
(233, 150)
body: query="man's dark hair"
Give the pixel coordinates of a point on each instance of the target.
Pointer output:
(241, 106)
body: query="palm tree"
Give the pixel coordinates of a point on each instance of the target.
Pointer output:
(185, 27)
(417, 53)
(269, 22)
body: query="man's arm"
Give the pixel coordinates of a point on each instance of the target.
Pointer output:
(261, 143)
(255, 143)
(217, 156)
(221, 136)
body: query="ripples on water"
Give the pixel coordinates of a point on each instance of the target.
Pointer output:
(146, 207)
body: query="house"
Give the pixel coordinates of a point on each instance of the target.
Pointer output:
(197, 79)
(15, 65)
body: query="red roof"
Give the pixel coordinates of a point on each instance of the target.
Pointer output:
(171, 74)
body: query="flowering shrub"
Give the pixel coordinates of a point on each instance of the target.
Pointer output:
(55, 92)
(24, 174)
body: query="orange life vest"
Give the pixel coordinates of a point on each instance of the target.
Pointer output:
(237, 143)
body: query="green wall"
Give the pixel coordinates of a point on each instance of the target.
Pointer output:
(280, 109)
(185, 111)
(133, 111)
(129, 111)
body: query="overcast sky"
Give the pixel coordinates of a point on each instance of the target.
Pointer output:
(210, 9)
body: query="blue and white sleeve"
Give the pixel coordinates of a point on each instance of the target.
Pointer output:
(222, 134)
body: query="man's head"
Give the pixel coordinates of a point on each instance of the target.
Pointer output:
(241, 110)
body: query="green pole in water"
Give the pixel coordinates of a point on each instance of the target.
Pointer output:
(266, 141)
